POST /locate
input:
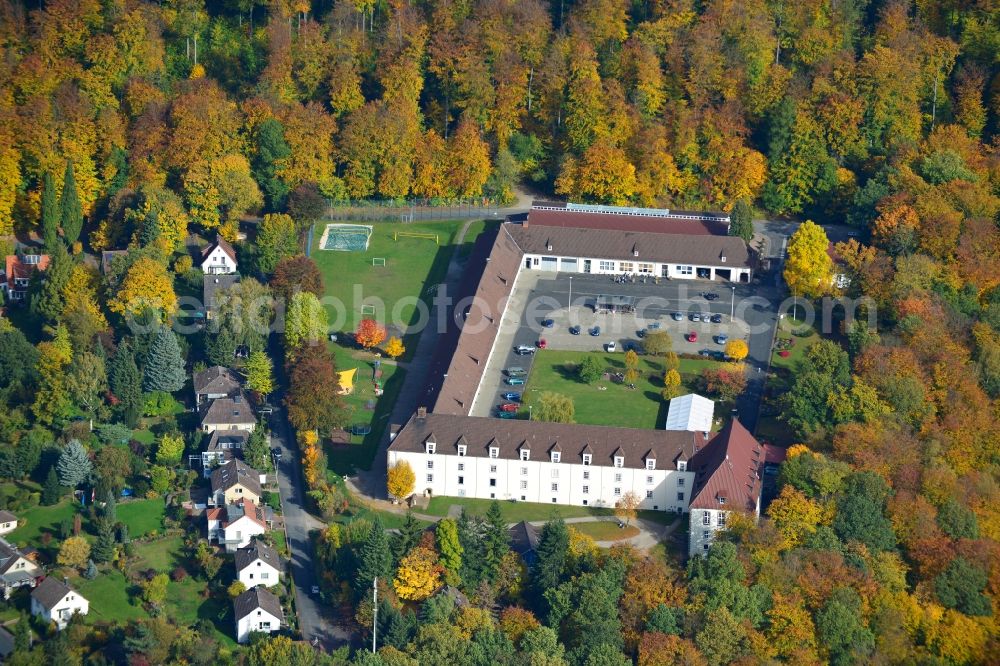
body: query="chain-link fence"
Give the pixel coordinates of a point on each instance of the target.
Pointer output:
(410, 211)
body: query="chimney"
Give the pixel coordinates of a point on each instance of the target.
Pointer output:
(421, 413)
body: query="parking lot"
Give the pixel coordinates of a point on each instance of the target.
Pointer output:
(542, 307)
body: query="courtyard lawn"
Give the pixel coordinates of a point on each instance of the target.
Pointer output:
(142, 516)
(109, 598)
(605, 402)
(515, 512)
(801, 341)
(163, 555)
(33, 522)
(606, 530)
(413, 266)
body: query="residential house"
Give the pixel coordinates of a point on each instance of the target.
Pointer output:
(17, 568)
(552, 463)
(234, 525)
(219, 258)
(234, 481)
(258, 564)
(108, 258)
(215, 382)
(16, 277)
(524, 542)
(54, 600)
(6, 643)
(212, 286)
(257, 610)
(228, 414)
(223, 446)
(728, 479)
(8, 522)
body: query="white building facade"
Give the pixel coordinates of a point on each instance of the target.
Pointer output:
(257, 610)
(648, 267)
(219, 259)
(55, 601)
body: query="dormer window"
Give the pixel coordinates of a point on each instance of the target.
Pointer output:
(430, 446)
(555, 456)
(619, 461)
(494, 451)
(682, 465)
(461, 449)
(722, 500)
(525, 454)
(650, 463)
(587, 458)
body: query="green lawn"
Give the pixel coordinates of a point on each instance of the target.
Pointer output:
(803, 340)
(606, 530)
(162, 554)
(41, 519)
(412, 267)
(108, 597)
(514, 512)
(605, 402)
(142, 516)
(279, 541)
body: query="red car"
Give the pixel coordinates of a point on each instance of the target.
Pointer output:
(693, 336)
(543, 343)
(508, 407)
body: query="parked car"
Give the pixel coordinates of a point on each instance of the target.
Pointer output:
(548, 323)
(595, 331)
(710, 296)
(693, 336)
(641, 333)
(523, 350)
(712, 353)
(514, 381)
(512, 396)
(633, 346)
(515, 372)
(508, 407)
(721, 339)
(612, 346)
(574, 330)
(506, 415)
(695, 316)
(716, 319)
(678, 316)
(543, 343)
(706, 317)
(276, 452)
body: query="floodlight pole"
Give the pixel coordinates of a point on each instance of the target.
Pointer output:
(732, 304)
(570, 304)
(375, 612)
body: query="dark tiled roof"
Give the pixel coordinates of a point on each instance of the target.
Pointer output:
(523, 538)
(479, 328)
(213, 284)
(257, 550)
(255, 598)
(236, 472)
(217, 380)
(707, 250)
(728, 468)
(229, 410)
(50, 591)
(668, 223)
(236, 439)
(107, 257)
(221, 243)
(7, 517)
(509, 436)
(8, 556)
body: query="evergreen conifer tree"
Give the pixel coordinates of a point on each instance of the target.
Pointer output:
(91, 572)
(104, 547)
(374, 559)
(741, 221)
(51, 491)
(497, 538)
(48, 302)
(257, 453)
(553, 545)
(22, 634)
(406, 538)
(50, 213)
(74, 465)
(164, 369)
(126, 384)
(470, 535)
(70, 210)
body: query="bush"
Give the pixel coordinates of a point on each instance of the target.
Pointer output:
(161, 403)
(183, 264)
(178, 574)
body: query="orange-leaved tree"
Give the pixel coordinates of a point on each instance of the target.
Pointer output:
(369, 333)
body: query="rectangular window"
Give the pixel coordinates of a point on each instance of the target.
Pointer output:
(618, 492)
(430, 447)
(586, 490)
(722, 520)
(430, 464)
(493, 469)
(555, 456)
(587, 458)
(649, 494)
(706, 519)
(555, 474)
(525, 454)
(494, 452)
(619, 461)
(586, 475)
(555, 487)
(461, 467)
(524, 485)
(264, 575)
(680, 482)
(680, 497)
(607, 265)
(651, 463)
(461, 492)
(705, 534)
(685, 270)
(649, 479)
(646, 268)
(461, 480)
(625, 266)
(493, 483)
(618, 478)
(430, 478)
(524, 471)
(461, 449)
(682, 466)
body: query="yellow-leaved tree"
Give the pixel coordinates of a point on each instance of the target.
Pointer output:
(394, 348)
(809, 269)
(74, 552)
(418, 576)
(795, 516)
(147, 287)
(737, 350)
(400, 480)
(671, 384)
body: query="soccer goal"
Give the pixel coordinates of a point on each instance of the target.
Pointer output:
(378, 261)
(346, 237)
(415, 234)
(367, 310)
